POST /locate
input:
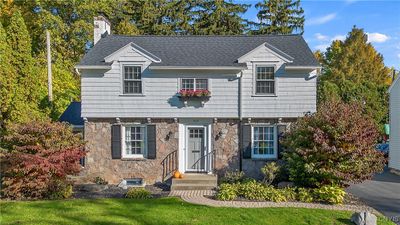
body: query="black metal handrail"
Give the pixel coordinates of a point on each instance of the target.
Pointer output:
(209, 164)
(169, 164)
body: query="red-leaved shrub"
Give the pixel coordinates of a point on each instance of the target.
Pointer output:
(37, 159)
(334, 146)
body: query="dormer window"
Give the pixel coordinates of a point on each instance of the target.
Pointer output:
(193, 84)
(265, 80)
(132, 79)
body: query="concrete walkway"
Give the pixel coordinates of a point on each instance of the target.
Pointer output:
(381, 193)
(198, 197)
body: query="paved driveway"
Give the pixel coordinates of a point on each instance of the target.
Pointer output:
(381, 193)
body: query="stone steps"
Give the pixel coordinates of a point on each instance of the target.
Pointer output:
(194, 182)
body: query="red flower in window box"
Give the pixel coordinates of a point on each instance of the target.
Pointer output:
(191, 93)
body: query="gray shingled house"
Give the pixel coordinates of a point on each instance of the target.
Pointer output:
(197, 104)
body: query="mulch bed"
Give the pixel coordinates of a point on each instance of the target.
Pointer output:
(93, 191)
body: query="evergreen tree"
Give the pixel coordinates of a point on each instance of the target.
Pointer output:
(7, 79)
(25, 102)
(279, 17)
(126, 27)
(219, 17)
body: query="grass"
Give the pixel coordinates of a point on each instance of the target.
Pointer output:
(158, 211)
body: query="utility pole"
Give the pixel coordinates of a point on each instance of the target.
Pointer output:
(49, 75)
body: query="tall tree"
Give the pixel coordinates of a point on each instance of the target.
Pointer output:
(355, 59)
(26, 99)
(219, 17)
(354, 71)
(279, 17)
(7, 79)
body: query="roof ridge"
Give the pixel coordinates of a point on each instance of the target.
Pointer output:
(203, 35)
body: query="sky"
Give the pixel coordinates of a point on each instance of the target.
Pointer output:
(329, 20)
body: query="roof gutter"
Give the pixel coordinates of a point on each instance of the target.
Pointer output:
(197, 67)
(93, 67)
(302, 67)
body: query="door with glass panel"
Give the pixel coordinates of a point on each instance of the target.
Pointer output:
(195, 149)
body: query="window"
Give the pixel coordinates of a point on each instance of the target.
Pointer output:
(194, 84)
(265, 80)
(135, 141)
(132, 79)
(264, 142)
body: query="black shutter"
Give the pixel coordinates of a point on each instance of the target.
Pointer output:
(151, 141)
(246, 141)
(281, 132)
(116, 141)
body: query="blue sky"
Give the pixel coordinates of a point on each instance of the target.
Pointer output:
(329, 20)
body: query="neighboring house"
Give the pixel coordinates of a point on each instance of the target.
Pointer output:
(138, 125)
(394, 143)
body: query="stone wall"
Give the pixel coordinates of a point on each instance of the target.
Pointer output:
(99, 162)
(226, 145)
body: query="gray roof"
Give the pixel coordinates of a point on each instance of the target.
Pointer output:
(72, 114)
(202, 50)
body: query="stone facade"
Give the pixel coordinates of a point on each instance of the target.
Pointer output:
(225, 143)
(226, 146)
(99, 162)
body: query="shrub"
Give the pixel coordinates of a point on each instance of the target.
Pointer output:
(227, 192)
(330, 194)
(232, 177)
(252, 190)
(304, 195)
(100, 181)
(60, 190)
(270, 171)
(38, 158)
(333, 146)
(138, 193)
(289, 194)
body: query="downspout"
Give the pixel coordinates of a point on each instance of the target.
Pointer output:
(240, 119)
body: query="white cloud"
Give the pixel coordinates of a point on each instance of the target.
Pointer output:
(339, 37)
(322, 19)
(398, 55)
(377, 37)
(321, 37)
(322, 47)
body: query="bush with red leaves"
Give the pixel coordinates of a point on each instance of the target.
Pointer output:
(334, 146)
(37, 158)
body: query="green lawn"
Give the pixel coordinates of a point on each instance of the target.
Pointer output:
(158, 211)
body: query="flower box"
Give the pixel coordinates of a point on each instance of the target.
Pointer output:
(199, 95)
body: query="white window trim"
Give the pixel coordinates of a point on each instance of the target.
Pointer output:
(255, 94)
(122, 71)
(265, 156)
(123, 150)
(208, 82)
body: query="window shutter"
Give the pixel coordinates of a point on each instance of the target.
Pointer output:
(281, 131)
(246, 141)
(151, 141)
(116, 141)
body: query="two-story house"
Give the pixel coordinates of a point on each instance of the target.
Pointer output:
(198, 104)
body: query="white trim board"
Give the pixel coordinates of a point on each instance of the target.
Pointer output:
(275, 51)
(137, 49)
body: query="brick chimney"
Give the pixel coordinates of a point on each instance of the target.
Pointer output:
(102, 27)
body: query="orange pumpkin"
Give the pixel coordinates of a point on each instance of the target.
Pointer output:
(177, 174)
(180, 176)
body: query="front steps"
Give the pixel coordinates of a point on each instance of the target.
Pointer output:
(194, 182)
